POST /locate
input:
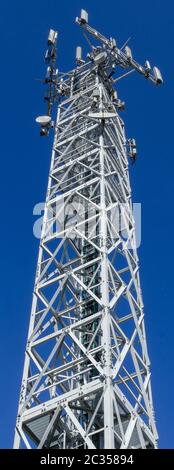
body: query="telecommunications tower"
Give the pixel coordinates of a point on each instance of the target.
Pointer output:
(86, 380)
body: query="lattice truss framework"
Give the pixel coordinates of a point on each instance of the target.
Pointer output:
(86, 380)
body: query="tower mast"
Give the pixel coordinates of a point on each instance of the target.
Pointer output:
(86, 380)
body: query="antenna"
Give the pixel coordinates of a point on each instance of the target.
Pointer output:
(157, 75)
(79, 60)
(128, 52)
(83, 16)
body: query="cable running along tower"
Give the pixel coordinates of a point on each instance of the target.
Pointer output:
(86, 380)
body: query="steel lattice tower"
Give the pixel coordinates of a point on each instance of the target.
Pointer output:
(86, 380)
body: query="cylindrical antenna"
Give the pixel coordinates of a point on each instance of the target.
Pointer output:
(78, 54)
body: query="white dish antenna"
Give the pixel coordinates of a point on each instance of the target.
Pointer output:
(43, 120)
(102, 115)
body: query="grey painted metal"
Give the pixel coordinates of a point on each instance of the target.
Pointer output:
(86, 380)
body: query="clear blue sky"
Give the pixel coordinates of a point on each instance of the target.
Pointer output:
(25, 162)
